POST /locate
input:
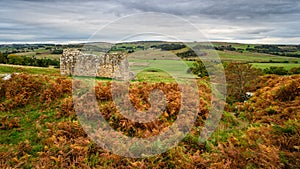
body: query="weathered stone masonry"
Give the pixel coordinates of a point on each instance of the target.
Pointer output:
(74, 62)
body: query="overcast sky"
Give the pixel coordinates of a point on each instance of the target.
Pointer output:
(245, 21)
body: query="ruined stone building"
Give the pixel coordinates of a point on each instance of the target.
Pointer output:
(76, 63)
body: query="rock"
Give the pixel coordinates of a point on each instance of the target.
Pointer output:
(249, 95)
(7, 77)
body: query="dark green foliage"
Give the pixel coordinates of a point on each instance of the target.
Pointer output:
(57, 51)
(281, 50)
(187, 54)
(31, 61)
(276, 70)
(295, 70)
(3, 58)
(222, 48)
(15, 59)
(199, 69)
(191, 53)
(172, 46)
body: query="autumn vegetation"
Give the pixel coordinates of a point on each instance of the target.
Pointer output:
(40, 129)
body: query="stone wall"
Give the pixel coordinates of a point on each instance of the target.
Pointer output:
(73, 62)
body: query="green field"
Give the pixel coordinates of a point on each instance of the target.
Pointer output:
(253, 57)
(5, 69)
(39, 56)
(156, 70)
(287, 66)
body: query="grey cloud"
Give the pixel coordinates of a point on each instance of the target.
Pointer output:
(218, 8)
(259, 31)
(220, 19)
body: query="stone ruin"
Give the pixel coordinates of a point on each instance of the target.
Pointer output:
(76, 63)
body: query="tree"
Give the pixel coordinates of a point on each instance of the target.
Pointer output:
(199, 69)
(57, 51)
(15, 59)
(3, 58)
(239, 77)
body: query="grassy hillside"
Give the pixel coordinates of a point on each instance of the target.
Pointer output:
(39, 127)
(6, 69)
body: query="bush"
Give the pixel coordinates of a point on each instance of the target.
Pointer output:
(23, 89)
(167, 47)
(57, 51)
(31, 61)
(19, 91)
(276, 70)
(15, 59)
(295, 70)
(199, 69)
(288, 92)
(3, 58)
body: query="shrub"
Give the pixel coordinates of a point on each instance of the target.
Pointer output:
(19, 91)
(199, 69)
(288, 92)
(23, 89)
(276, 70)
(295, 70)
(239, 77)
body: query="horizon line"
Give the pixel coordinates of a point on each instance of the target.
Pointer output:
(116, 42)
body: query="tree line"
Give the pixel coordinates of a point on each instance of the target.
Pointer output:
(27, 61)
